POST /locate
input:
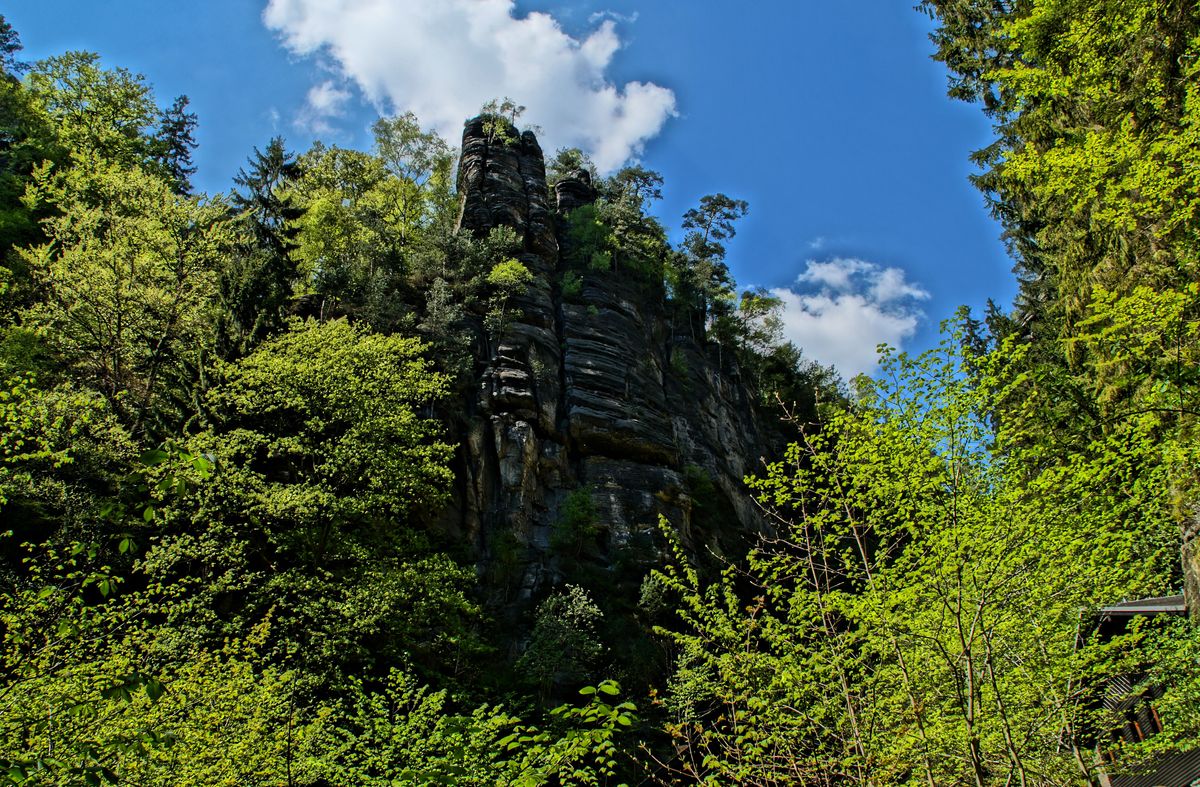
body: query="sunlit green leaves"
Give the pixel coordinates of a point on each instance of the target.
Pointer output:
(918, 615)
(128, 276)
(331, 412)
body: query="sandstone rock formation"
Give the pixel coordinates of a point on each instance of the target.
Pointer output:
(593, 392)
(574, 192)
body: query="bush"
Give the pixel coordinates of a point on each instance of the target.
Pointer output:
(576, 525)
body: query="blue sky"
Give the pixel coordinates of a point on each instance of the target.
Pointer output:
(828, 118)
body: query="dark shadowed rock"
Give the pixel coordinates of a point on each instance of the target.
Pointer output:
(597, 393)
(574, 192)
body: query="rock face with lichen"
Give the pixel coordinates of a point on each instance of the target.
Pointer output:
(593, 395)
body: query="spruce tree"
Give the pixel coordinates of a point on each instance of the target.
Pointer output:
(174, 144)
(258, 280)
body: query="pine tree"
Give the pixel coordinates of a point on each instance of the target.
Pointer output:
(10, 45)
(175, 142)
(258, 280)
(699, 276)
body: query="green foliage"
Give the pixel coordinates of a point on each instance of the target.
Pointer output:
(566, 163)
(173, 145)
(367, 223)
(258, 279)
(500, 120)
(125, 282)
(415, 156)
(758, 321)
(1093, 176)
(752, 333)
(615, 234)
(80, 709)
(323, 422)
(330, 474)
(28, 138)
(600, 261)
(506, 564)
(565, 647)
(70, 113)
(636, 186)
(586, 751)
(407, 734)
(588, 238)
(1171, 653)
(64, 690)
(350, 236)
(679, 364)
(697, 274)
(572, 285)
(892, 617)
(96, 113)
(506, 278)
(231, 719)
(509, 277)
(443, 325)
(76, 709)
(576, 527)
(805, 389)
(708, 508)
(10, 45)
(85, 690)
(61, 451)
(370, 227)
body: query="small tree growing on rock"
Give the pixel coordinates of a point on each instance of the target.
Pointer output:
(500, 120)
(507, 278)
(565, 646)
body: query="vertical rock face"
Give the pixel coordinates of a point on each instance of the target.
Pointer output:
(1191, 565)
(574, 192)
(502, 182)
(596, 394)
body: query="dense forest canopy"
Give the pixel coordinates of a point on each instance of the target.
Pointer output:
(230, 427)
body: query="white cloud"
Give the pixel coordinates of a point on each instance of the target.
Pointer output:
(599, 15)
(443, 60)
(836, 274)
(323, 102)
(839, 310)
(890, 285)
